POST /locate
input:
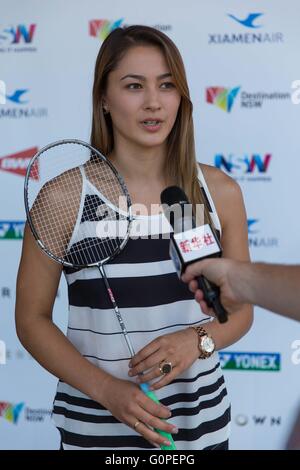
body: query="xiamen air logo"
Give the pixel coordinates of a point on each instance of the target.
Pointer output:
(257, 238)
(250, 361)
(17, 163)
(11, 229)
(251, 226)
(250, 21)
(221, 97)
(17, 106)
(254, 34)
(102, 28)
(251, 168)
(11, 412)
(17, 97)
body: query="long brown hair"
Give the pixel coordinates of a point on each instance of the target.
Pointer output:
(181, 164)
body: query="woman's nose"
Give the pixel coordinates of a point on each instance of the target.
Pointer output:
(152, 100)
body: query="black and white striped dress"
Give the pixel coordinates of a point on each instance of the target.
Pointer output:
(153, 302)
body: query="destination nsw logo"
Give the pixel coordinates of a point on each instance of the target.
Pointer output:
(257, 239)
(249, 29)
(225, 98)
(17, 38)
(17, 163)
(250, 361)
(254, 167)
(17, 106)
(12, 413)
(102, 28)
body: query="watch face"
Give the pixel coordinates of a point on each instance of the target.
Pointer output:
(207, 344)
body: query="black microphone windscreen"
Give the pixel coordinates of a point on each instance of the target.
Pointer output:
(173, 195)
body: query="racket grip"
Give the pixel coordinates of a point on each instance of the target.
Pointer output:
(145, 388)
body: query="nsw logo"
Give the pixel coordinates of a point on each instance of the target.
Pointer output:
(253, 167)
(18, 34)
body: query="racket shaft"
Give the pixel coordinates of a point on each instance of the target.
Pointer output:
(144, 387)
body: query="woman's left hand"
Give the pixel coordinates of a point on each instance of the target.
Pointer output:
(180, 349)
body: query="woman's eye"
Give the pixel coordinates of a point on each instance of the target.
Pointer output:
(133, 86)
(167, 85)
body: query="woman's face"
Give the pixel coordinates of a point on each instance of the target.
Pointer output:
(141, 98)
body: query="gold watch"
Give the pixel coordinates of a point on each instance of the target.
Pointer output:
(206, 344)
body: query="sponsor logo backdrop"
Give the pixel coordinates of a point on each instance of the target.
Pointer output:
(241, 59)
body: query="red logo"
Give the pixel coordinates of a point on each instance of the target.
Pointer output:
(18, 162)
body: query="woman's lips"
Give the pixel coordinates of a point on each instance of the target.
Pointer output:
(151, 126)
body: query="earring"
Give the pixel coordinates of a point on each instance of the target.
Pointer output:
(105, 110)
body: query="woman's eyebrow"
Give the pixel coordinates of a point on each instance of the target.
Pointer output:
(142, 78)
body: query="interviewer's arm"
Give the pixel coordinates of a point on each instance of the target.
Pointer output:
(273, 287)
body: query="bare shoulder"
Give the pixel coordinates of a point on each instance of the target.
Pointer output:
(225, 192)
(58, 188)
(222, 187)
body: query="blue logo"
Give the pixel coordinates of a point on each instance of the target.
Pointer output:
(249, 21)
(16, 97)
(250, 223)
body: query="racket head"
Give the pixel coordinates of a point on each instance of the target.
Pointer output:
(55, 184)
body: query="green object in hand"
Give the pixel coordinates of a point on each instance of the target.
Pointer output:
(145, 388)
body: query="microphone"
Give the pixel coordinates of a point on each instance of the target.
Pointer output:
(190, 243)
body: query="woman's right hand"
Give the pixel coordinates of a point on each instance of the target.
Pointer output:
(127, 403)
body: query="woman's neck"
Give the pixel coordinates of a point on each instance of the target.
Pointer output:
(139, 165)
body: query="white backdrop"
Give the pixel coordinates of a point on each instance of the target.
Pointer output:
(47, 57)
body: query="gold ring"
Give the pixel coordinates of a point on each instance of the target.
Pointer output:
(136, 424)
(165, 367)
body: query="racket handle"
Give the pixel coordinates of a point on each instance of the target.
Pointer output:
(145, 388)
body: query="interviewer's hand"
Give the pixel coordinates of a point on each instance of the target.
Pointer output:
(131, 406)
(220, 272)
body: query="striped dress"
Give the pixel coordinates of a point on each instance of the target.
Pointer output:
(153, 302)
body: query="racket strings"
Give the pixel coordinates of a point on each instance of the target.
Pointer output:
(79, 213)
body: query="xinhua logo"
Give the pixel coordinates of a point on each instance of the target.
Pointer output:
(222, 97)
(249, 22)
(11, 229)
(250, 361)
(11, 412)
(18, 34)
(102, 28)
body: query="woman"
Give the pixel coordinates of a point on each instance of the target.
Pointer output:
(142, 119)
